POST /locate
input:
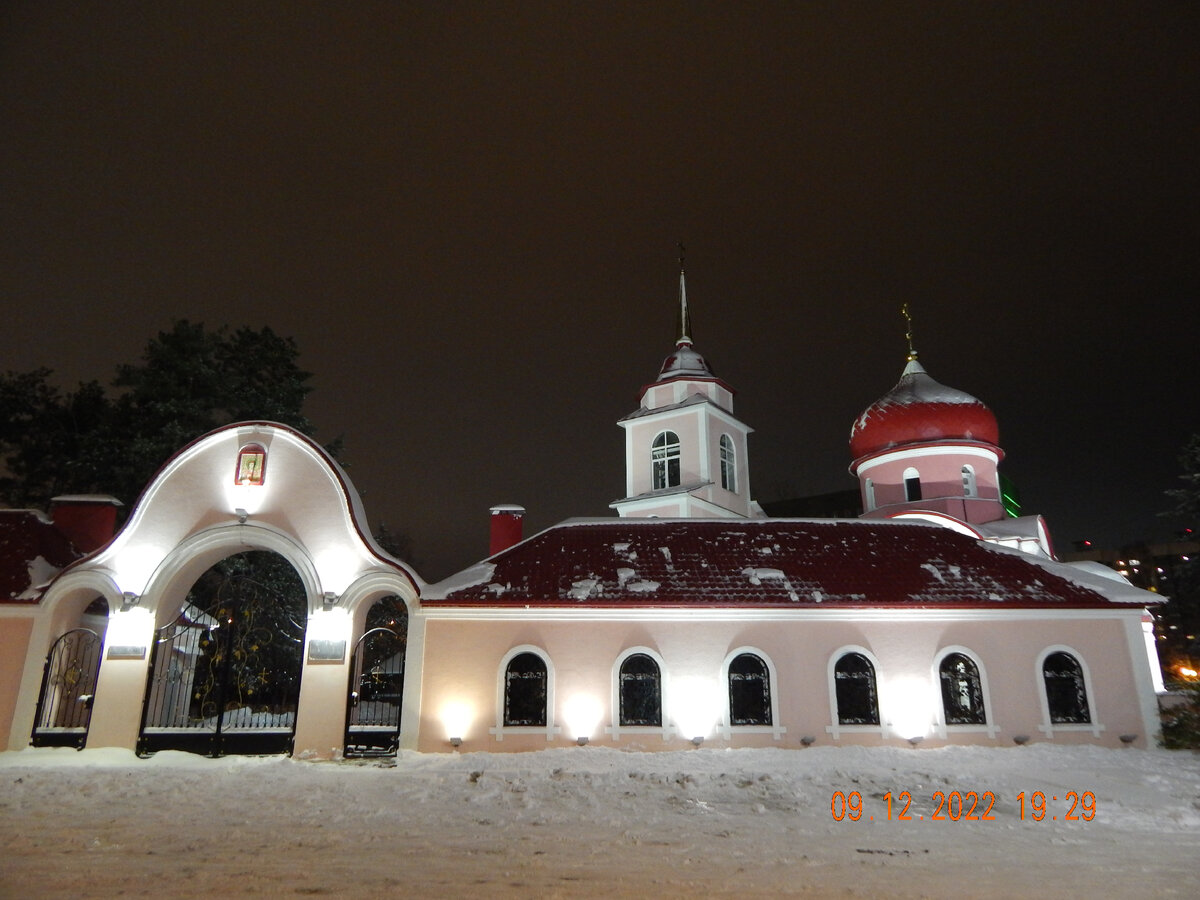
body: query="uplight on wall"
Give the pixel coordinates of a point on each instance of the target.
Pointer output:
(582, 714)
(456, 718)
(910, 707)
(696, 704)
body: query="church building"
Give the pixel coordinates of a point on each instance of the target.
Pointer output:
(689, 618)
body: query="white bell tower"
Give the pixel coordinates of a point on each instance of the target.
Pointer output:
(685, 452)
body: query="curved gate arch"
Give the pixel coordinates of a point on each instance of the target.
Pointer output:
(224, 675)
(64, 709)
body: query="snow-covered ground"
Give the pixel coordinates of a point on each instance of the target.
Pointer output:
(591, 821)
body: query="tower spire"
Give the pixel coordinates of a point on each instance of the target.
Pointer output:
(685, 322)
(908, 333)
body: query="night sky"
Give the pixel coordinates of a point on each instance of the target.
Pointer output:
(467, 216)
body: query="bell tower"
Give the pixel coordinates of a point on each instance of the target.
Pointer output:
(685, 451)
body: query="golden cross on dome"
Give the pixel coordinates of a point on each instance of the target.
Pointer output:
(908, 332)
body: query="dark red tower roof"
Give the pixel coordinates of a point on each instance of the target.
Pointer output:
(920, 410)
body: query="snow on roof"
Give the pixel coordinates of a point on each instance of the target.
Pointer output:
(32, 551)
(772, 562)
(918, 408)
(690, 400)
(101, 499)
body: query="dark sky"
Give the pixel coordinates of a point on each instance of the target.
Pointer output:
(466, 215)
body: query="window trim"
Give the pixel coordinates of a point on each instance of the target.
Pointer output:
(940, 726)
(499, 730)
(835, 728)
(615, 728)
(665, 461)
(727, 455)
(724, 728)
(1048, 727)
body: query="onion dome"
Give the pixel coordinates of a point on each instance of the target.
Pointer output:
(919, 410)
(685, 362)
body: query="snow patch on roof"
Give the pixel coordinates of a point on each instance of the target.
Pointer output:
(582, 589)
(478, 574)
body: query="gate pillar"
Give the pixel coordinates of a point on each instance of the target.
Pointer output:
(321, 711)
(121, 684)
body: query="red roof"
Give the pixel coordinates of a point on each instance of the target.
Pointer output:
(32, 551)
(919, 410)
(761, 563)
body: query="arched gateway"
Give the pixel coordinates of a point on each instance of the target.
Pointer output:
(238, 590)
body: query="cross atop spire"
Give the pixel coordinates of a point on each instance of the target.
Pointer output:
(685, 322)
(908, 333)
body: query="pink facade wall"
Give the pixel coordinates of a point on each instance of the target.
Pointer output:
(941, 486)
(462, 660)
(14, 644)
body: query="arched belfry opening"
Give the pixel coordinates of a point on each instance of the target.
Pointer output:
(226, 660)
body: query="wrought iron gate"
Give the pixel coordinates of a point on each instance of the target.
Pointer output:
(225, 680)
(64, 709)
(376, 694)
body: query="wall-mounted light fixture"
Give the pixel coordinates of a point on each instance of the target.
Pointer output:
(697, 741)
(808, 740)
(456, 742)
(1128, 738)
(129, 600)
(914, 741)
(242, 515)
(581, 740)
(1021, 740)
(329, 601)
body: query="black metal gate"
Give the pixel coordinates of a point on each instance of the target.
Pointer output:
(376, 694)
(64, 709)
(226, 678)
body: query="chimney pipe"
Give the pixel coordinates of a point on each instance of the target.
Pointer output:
(507, 527)
(87, 520)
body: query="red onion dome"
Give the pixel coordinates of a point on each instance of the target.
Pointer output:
(920, 410)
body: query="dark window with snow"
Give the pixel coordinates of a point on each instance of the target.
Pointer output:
(912, 484)
(251, 464)
(728, 464)
(854, 685)
(749, 691)
(1066, 694)
(962, 691)
(525, 690)
(641, 691)
(664, 457)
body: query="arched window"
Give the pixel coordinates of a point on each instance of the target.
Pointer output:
(1066, 693)
(728, 464)
(664, 456)
(525, 690)
(962, 691)
(912, 484)
(640, 691)
(857, 698)
(968, 477)
(749, 691)
(251, 464)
